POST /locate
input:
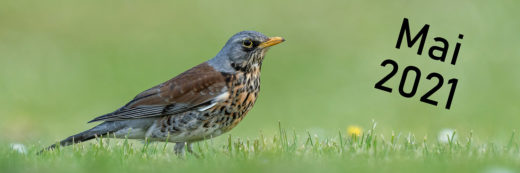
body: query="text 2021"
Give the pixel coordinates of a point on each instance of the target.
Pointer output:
(424, 98)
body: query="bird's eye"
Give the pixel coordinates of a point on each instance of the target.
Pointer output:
(247, 43)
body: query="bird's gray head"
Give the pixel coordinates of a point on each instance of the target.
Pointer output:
(243, 51)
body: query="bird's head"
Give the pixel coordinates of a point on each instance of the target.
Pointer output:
(244, 50)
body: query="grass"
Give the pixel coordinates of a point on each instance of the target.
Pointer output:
(63, 63)
(287, 150)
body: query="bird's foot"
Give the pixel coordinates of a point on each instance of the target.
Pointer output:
(180, 151)
(190, 150)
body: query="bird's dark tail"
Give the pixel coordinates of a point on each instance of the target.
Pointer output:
(98, 131)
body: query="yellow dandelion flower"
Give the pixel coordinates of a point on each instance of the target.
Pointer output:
(354, 130)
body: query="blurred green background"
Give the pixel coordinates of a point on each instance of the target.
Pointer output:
(63, 63)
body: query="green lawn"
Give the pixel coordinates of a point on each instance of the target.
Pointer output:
(62, 63)
(285, 151)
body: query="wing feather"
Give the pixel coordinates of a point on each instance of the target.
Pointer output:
(197, 87)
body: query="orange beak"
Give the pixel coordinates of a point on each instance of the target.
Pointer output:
(271, 42)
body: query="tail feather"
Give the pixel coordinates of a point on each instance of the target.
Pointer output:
(74, 139)
(98, 131)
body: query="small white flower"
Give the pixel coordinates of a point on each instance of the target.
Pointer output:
(445, 135)
(20, 148)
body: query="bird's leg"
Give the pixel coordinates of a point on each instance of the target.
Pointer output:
(179, 148)
(190, 150)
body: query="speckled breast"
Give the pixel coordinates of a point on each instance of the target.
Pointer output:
(243, 93)
(194, 125)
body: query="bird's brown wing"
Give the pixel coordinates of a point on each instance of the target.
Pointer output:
(197, 87)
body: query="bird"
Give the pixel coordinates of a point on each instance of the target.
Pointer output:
(201, 103)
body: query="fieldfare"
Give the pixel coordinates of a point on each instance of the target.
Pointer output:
(200, 103)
